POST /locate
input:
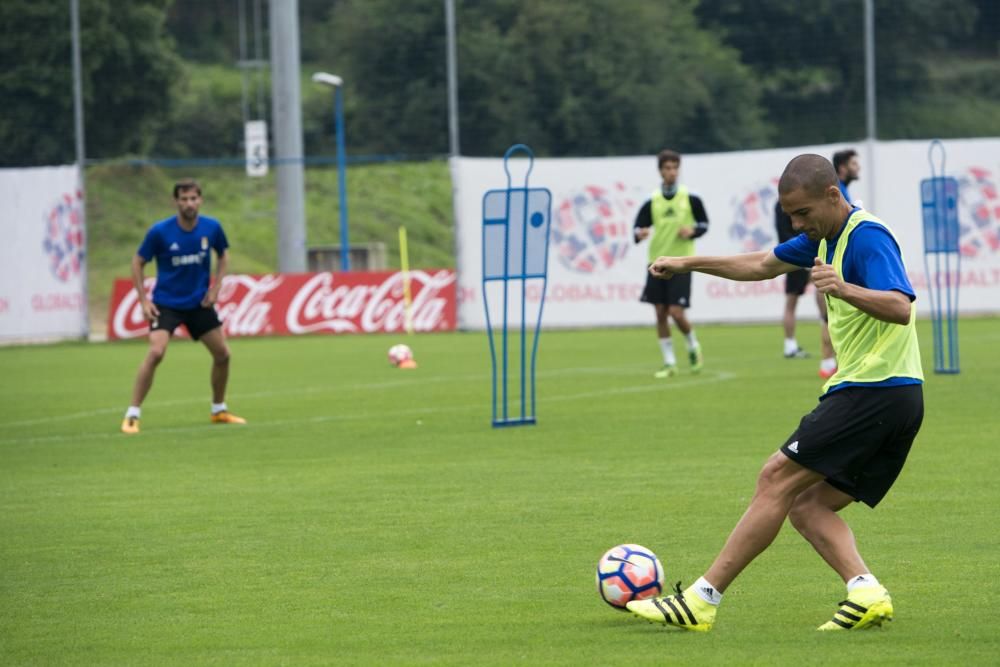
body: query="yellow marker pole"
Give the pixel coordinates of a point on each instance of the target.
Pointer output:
(404, 263)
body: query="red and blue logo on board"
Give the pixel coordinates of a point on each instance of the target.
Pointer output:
(979, 213)
(592, 230)
(65, 241)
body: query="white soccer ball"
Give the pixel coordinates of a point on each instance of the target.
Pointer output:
(628, 572)
(399, 353)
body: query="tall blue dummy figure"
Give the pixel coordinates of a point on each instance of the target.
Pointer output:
(939, 203)
(516, 223)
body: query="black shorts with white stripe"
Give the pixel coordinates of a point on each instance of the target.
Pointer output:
(859, 437)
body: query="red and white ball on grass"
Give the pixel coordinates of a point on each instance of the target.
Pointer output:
(401, 356)
(628, 572)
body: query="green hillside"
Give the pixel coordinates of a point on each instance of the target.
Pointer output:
(123, 200)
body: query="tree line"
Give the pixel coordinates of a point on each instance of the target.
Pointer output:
(568, 77)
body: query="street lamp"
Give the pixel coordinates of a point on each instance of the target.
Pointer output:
(337, 84)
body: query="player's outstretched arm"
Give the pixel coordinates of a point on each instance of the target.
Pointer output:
(751, 266)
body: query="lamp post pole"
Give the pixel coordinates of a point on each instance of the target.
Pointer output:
(337, 84)
(74, 13)
(345, 250)
(870, 99)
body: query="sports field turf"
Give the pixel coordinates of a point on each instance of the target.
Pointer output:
(369, 516)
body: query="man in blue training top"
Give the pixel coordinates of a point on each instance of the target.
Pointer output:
(848, 168)
(182, 246)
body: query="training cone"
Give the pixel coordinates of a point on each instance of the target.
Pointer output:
(408, 363)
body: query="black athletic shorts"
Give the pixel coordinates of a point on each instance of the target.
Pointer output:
(198, 321)
(796, 281)
(674, 291)
(859, 438)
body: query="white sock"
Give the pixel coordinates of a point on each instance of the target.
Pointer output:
(691, 339)
(219, 407)
(707, 591)
(667, 347)
(866, 579)
(828, 364)
(791, 346)
(133, 411)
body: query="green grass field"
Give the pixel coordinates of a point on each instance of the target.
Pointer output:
(371, 516)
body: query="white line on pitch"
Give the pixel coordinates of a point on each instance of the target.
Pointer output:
(308, 390)
(651, 386)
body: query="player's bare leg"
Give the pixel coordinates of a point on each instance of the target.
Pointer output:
(780, 482)
(215, 341)
(814, 515)
(784, 488)
(788, 318)
(792, 349)
(679, 316)
(666, 342)
(158, 341)
(662, 321)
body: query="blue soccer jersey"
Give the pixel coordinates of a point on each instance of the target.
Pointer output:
(843, 191)
(183, 260)
(872, 258)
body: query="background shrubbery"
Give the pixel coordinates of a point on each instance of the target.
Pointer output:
(570, 77)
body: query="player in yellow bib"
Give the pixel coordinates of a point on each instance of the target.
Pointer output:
(671, 220)
(854, 444)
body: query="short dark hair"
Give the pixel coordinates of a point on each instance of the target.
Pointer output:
(810, 172)
(841, 158)
(667, 155)
(186, 184)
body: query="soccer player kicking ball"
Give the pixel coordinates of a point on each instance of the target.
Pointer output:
(182, 246)
(853, 445)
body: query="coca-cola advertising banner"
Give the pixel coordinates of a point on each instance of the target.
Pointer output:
(303, 303)
(596, 271)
